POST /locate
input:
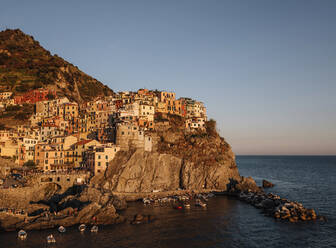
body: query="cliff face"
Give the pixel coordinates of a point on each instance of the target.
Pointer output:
(148, 171)
(25, 65)
(180, 161)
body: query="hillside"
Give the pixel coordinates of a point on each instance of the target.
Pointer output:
(26, 65)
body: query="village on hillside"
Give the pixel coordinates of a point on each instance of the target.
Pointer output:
(63, 136)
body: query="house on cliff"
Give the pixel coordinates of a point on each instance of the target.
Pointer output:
(97, 158)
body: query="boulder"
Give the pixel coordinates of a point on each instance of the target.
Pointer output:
(267, 184)
(268, 204)
(141, 219)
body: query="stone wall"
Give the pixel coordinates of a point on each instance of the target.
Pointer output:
(40, 187)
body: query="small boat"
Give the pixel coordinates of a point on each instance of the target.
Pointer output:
(94, 228)
(51, 239)
(22, 234)
(187, 205)
(200, 203)
(82, 227)
(146, 200)
(210, 195)
(178, 206)
(61, 229)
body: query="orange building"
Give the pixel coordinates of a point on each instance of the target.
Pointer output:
(34, 96)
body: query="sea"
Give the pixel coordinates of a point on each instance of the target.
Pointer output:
(226, 222)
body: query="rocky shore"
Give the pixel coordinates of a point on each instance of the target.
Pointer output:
(98, 206)
(273, 205)
(78, 205)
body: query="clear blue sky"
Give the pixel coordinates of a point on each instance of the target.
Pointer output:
(266, 69)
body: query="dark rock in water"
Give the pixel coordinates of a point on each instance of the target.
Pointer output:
(245, 184)
(268, 204)
(322, 218)
(267, 184)
(119, 203)
(141, 219)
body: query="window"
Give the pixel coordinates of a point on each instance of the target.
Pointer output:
(98, 163)
(106, 157)
(106, 164)
(98, 156)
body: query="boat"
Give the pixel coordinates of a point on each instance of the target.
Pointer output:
(82, 227)
(187, 205)
(179, 207)
(200, 203)
(22, 234)
(94, 228)
(210, 195)
(146, 200)
(61, 229)
(51, 239)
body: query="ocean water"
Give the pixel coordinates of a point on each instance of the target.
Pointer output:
(226, 222)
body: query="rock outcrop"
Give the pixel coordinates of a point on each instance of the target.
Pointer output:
(267, 184)
(147, 171)
(179, 160)
(85, 205)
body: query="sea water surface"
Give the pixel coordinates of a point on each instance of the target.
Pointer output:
(226, 222)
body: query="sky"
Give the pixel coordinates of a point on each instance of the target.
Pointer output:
(265, 69)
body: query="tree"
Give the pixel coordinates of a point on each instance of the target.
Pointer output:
(30, 163)
(211, 127)
(50, 96)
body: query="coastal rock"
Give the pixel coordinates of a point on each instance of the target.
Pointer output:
(141, 219)
(147, 171)
(244, 184)
(267, 184)
(268, 204)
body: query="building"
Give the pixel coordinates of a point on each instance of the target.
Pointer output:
(98, 157)
(70, 111)
(79, 149)
(195, 123)
(34, 96)
(5, 95)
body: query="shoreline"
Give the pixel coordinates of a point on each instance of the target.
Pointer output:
(131, 197)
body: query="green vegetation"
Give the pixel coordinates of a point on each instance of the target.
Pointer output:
(25, 65)
(18, 112)
(210, 127)
(30, 164)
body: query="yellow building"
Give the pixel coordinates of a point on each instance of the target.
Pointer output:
(98, 158)
(70, 111)
(79, 149)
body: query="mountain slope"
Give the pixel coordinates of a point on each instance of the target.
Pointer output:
(26, 65)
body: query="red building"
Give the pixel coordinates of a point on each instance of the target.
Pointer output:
(34, 96)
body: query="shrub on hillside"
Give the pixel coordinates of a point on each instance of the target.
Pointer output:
(29, 163)
(211, 127)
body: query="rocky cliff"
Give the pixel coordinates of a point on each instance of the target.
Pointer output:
(180, 160)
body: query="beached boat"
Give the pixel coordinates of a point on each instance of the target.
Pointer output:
(51, 239)
(82, 227)
(94, 228)
(146, 200)
(187, 205)
(22, 234)
(61, 229)
(200, 203)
